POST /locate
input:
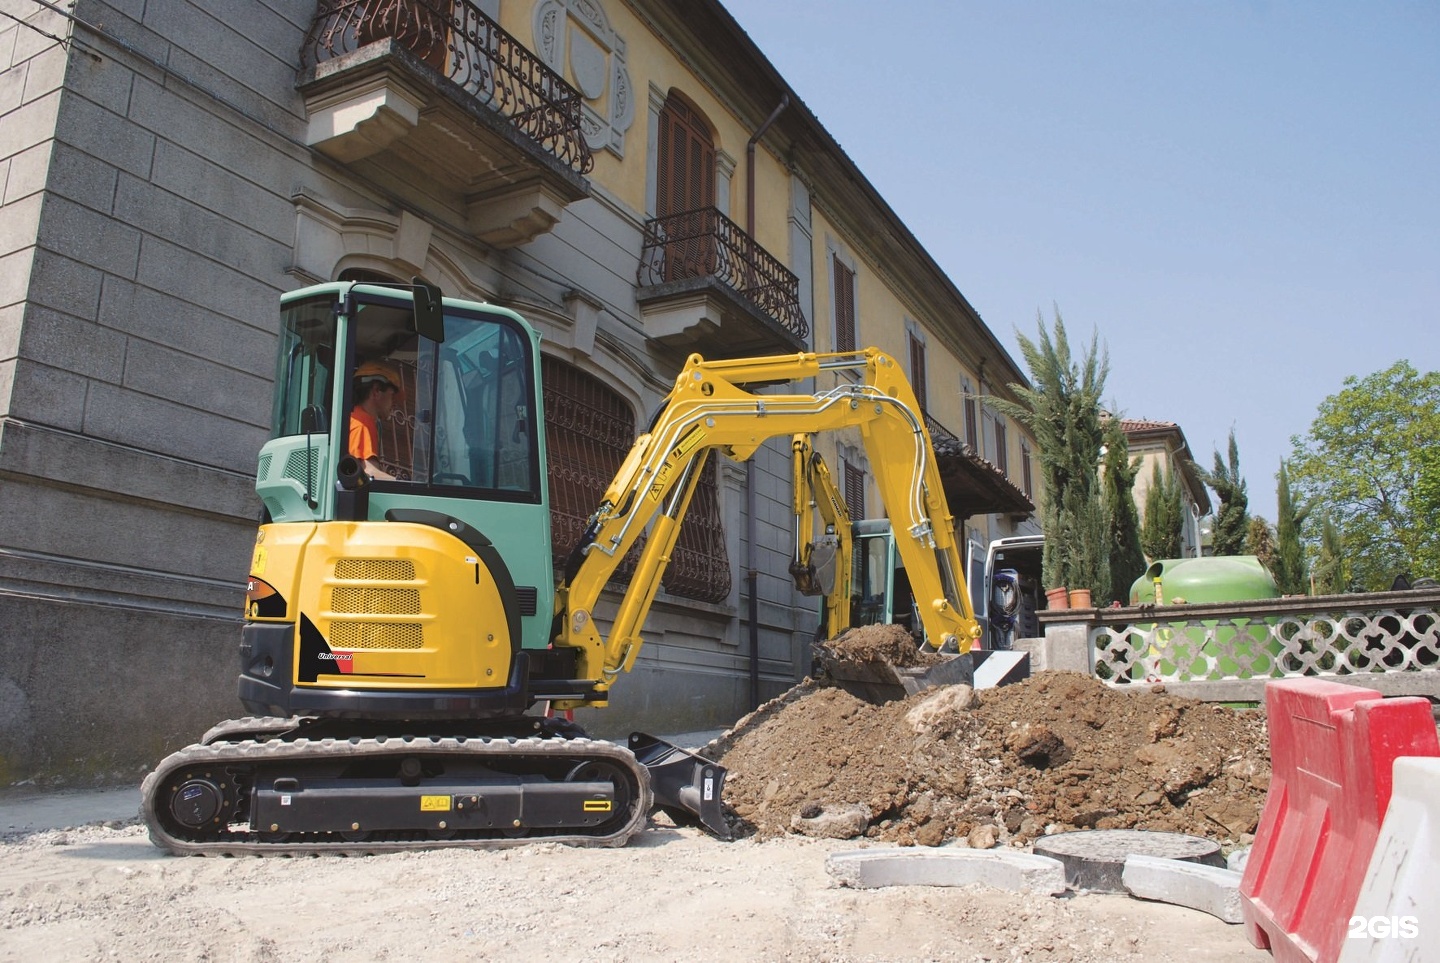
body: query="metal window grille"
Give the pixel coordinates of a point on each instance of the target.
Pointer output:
(588, 430)
(700, 565)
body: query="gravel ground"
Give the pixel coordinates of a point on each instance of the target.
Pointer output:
(103, 892)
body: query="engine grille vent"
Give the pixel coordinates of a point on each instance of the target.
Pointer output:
(376, 601)
(376, 635)
(375, 569)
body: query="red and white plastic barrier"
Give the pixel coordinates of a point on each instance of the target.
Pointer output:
(1332, 749)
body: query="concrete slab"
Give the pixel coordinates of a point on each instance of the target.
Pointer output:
(1001, 869)
(1208, 889)
(1094, 859)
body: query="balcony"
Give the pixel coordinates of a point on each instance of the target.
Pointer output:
(706, 286)
(434, 93)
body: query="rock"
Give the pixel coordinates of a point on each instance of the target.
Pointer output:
(1037, 745)
(983, 837)
(940, 704)
(843, 823)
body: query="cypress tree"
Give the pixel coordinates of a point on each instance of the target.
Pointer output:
(1232, 521)
(1291, 573)
(1160, 533)
(1122, 518)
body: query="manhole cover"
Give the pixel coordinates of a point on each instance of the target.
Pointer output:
(1095, 859)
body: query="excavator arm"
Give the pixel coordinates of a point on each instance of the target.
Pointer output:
(814, 489)
(710, 408)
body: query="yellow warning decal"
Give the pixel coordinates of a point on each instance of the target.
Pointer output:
(434, 804)
(597, 806)
(257, 563)
(691, 439)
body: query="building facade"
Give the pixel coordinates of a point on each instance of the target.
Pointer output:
(1163, 444)
(633, 176)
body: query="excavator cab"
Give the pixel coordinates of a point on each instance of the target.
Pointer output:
(404, 564)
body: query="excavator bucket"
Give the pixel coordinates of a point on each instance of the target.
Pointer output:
(881, 663)
(879, 682)
(685, 784)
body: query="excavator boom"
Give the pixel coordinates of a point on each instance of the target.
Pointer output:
(712, 406)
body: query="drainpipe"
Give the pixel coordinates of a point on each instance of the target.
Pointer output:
(752, 575)
(750, 163)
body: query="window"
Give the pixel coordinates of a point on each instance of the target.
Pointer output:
(685, 170)
(685, 190)
(972, 430)
(1027, 483)
(588, 431)
(854, 491)
(917, 367)
(844, 278)
(699, 564)
(1002, 454)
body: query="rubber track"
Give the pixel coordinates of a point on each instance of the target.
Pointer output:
(250, 727)
(245, 843)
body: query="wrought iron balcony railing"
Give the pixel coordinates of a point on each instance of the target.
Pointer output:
(704, 243)
(469, 49)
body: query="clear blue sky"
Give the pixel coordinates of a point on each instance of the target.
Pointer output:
(1242, 198)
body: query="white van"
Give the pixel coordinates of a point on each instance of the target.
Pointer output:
(1008, 592)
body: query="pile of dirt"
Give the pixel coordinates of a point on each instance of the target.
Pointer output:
(1057, 752)
(880, 643)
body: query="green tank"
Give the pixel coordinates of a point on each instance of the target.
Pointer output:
(1211, 649)
(1233, 578)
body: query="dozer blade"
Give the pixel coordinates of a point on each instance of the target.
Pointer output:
(878, 681)
(683, 782)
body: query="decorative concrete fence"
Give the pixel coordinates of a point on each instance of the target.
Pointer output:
(1226, 652)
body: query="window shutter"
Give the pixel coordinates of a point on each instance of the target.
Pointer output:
(917, 370)
(844, 306)
(854, 492)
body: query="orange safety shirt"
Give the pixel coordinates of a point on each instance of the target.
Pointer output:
(364, 434)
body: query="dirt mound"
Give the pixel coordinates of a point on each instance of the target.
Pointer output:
(1060, 751)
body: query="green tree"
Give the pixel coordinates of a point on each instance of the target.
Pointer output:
(1370, 458)
(1122, 519)
(1160, 534)
(1260, 542)
(1232, 521)
(1290, 569)
(1061, 407)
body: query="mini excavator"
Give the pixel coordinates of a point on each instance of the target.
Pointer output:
(402, 632)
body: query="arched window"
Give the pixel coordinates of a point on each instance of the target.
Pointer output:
(700, 566)
(588, 431)
(685, 168)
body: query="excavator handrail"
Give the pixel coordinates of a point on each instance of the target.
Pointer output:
(712, 407)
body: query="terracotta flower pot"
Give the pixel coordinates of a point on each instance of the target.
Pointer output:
(1057, 598)
(1080, 598)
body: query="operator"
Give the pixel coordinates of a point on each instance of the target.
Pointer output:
(376, 389)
